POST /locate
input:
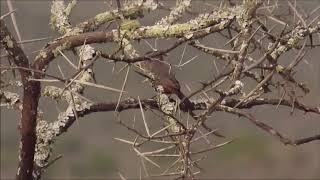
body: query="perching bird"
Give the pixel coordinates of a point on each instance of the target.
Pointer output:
(161, 73)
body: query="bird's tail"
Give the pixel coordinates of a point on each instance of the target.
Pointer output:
(184, 100)
(190, 107)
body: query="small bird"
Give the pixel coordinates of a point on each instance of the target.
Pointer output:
(161, 73)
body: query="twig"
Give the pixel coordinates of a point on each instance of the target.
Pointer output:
(144, 118)
(123, 87)
(211, 148)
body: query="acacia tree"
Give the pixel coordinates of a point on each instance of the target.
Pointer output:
(256, 34)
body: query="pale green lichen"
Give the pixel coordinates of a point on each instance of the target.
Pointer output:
(9, 98)
(313, 29)
(45, 136)
(9, 41)
(42, 55)
(73, 32)
(279, 68)
(296, 36)
(56, 51)
(176, 13)
(47, 132)
(54, 92)
(53, 21)
(178, 30)
(169, 108)
(70, 6)
(104, 17)
(129, 25)
(167, 31)
(86, 52)
(134, 12)
(292, 42)
(60, 15)
(128, 48)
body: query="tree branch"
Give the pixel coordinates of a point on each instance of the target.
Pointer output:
(31, 94)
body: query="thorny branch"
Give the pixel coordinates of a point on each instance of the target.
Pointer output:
(247, 30)
(31, 94)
